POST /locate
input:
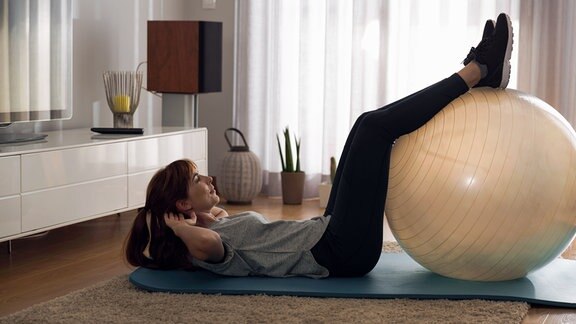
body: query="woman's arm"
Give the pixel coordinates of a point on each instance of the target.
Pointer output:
(202, 243)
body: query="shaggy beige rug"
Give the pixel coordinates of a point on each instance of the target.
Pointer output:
(117, 301)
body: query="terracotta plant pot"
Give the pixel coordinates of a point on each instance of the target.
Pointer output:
(292, 187)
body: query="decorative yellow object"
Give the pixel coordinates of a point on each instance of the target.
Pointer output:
(122, 95)
(486, 190)
(121, 104)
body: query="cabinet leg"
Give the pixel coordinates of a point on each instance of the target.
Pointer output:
(9, 246)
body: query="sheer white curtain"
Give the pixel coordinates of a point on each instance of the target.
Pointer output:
(547, 64)
(316, 65)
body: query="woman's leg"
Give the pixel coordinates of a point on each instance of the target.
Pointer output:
(353, 240)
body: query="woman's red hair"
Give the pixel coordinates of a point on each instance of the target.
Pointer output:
(166, 250)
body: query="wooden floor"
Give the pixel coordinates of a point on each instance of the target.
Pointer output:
(80, 255)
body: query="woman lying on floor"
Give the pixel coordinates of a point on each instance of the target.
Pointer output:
(180, 227)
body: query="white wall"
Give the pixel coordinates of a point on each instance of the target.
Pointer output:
(216, 109)
(111, 35)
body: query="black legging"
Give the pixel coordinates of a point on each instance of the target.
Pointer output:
(352, 242)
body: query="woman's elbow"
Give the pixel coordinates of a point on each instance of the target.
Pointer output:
(211, 249)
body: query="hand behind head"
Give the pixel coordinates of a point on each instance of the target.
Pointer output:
(173, 220)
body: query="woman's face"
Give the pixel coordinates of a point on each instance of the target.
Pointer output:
(201, 193)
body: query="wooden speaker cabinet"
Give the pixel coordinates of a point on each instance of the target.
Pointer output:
(184, 56)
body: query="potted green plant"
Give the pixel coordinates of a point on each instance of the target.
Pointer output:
(325, 187)
(292, 176)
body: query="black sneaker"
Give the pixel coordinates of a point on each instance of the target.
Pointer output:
(494, 53)
(489, 27)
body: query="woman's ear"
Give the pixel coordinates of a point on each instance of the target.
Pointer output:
(183, 205)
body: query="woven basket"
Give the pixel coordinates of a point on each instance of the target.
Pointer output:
(241, 177)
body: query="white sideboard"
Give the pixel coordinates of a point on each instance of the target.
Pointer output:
(77, 175)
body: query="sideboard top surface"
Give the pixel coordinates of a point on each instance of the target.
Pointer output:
(70, 138)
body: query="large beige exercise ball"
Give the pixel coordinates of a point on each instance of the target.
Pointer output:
(486, 190)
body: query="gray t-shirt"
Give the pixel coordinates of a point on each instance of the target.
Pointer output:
(257, 247)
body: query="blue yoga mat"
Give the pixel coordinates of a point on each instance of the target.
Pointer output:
(395, 276)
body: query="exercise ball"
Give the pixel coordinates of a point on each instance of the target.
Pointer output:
(486, 190)
(241, 179)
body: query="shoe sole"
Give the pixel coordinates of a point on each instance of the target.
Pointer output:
(506, 64)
